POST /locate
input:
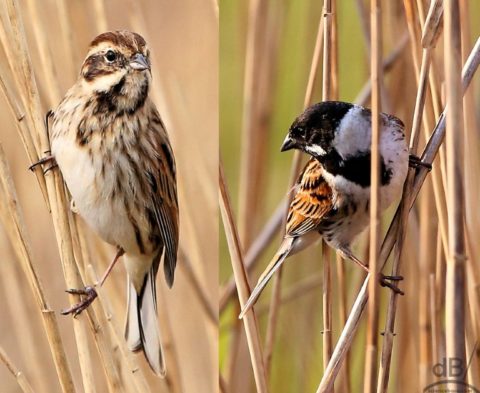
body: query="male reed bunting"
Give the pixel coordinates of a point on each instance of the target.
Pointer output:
(113, 151)
(332, 195)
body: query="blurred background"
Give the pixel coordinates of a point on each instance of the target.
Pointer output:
(183, 38)
(266, 51)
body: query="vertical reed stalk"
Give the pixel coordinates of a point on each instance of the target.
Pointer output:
(374, 266)
(455, 291)
(327, 94)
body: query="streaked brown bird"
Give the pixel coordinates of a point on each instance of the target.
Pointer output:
(113, 151)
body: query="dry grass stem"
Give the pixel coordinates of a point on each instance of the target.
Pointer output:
(101, 15)
(67, 38)
(19, 376)
(264, 238)
(327, 333)
(49, 79)
(328, 83)
(345, 340)
(12, 219)
(375, 229)
(243, 289)
(273, 312)
(455, 290)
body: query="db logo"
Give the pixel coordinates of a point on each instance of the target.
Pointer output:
(448, 368)
(450, 372)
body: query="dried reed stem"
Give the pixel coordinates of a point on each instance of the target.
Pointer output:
(251, 123)
(345, 339)
(345, 378)
(67, 38)
(19, 376)
(273, 311)
(243, 290)
(375, 229)
(13, 221)
(327, 305)
(327, 50)
(327, 94)
(261, 242)
(16, 108)
(49, 80)
(186, 266)
(101, 21)
(455, 290)
(312, 77)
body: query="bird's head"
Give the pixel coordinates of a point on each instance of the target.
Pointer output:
(117, 67)
(314, 131)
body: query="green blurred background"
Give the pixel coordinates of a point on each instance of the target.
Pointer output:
(297, 356)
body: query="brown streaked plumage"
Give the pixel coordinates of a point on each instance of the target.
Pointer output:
(115, 157)
(312, 200)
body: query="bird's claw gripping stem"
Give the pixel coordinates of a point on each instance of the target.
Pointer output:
(88, 293)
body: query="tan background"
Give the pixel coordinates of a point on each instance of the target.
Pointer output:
(182, 36)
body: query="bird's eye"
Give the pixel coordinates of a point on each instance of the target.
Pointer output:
(300, 131)
(110, 56)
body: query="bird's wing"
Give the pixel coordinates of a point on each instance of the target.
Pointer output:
(312, 200)
(163, 202)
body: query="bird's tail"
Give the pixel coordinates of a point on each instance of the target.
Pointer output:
(272, 267)
(141, 329)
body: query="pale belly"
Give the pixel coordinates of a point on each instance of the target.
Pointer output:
(92, 194)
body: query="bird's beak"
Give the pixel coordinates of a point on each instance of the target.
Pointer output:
(288, 143)
(139, 62)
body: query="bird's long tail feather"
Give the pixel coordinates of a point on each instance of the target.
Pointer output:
(141, 330)
(272, 267)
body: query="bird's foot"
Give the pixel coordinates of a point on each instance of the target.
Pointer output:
(385, 281)
(48, 158)
(416, 162)
(88, 293)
